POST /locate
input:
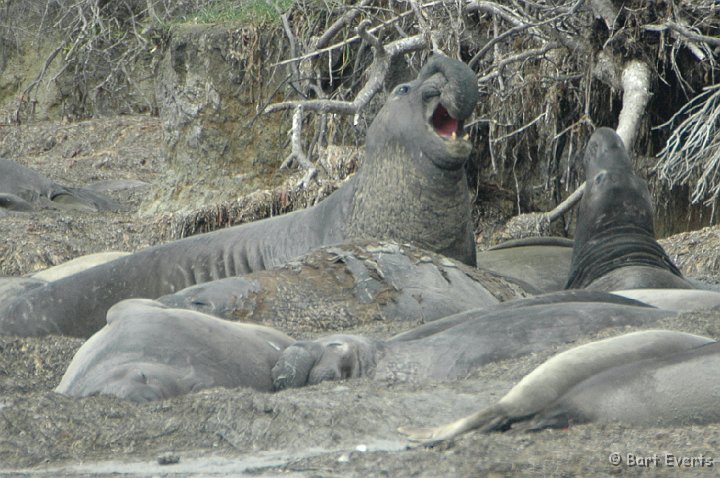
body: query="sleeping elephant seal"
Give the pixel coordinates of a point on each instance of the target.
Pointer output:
(150, 352)
(626, 378)
(21, 186)
(680, 388)
(342, 286)
(452, 347)
(615, 246)
(411, 188)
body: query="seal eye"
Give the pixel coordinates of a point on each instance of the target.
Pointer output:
(402, 90)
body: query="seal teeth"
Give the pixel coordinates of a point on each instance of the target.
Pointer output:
(453, 136)
(466, 137)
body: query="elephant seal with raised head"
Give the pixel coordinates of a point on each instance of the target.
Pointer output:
(411, 188)
(21, 186)
(615, 246)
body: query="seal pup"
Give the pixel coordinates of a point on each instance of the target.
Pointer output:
(411, 188)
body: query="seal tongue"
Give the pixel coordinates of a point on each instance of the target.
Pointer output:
(444, 124)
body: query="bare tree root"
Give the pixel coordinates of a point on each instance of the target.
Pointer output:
(297, 153)
(636, 93)
(377, 73)
(692, 153)
(548, 73)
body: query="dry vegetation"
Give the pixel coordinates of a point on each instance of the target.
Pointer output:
(549, 71)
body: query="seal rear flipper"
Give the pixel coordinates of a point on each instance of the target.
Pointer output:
(13, 202)
(552, 418)
(492, 419)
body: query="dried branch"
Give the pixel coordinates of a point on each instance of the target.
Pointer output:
(378, 71)
(636, 93)
(297, 154)
(518, 57)
(355, 38)
(341, 22)
(693, 149)
(685, 32)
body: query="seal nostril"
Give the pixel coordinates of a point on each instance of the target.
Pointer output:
(429, 94)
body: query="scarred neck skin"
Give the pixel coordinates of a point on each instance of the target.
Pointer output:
(398, 201)
(412, 185)
(615, 228)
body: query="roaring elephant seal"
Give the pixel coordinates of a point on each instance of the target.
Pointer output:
(21, 186)
(150, 352)
(633, 378)
(615, 246)
(411, 188)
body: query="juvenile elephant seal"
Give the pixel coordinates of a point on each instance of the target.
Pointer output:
(674, 389)
(615, 246)
(410, 188)
(21, 186)
(556, 392)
